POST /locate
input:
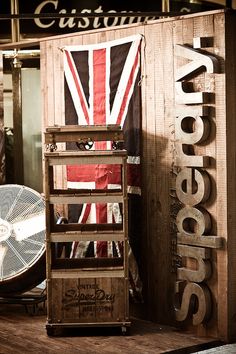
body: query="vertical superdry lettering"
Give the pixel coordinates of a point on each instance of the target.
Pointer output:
(193, 186)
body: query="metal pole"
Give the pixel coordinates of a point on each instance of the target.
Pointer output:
(165, 5)
(15, 25)
(17, 101)
(17, 122)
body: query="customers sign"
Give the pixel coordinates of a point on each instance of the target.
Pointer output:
(72, 23)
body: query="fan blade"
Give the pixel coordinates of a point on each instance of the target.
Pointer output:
(29, 226)
(3, 251)
(5, 230)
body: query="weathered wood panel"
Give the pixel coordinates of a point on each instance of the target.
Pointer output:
(202, 26)
(161, 62)
(2, 153)
(230, 128)
(149, 157)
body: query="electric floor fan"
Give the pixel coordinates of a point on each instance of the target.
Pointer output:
(22, 235)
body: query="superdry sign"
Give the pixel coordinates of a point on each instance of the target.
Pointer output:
(72, 23)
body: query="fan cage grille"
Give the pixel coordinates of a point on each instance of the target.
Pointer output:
(21, 239)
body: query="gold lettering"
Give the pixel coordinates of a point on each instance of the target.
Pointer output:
(184, 96)
(193, 222)
(203, 296)
(69, 22)
(199, 62)
(106, 19)
(191, 124)
(192, 186)
(86, 20)
(96, 23)
(182, 159)
(201, 255)
(39, 10)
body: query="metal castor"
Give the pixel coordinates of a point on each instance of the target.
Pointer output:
(50, 331)
(125, 330)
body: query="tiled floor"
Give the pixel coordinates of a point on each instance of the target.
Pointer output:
(225, 349)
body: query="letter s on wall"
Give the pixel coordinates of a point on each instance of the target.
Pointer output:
(204, 303)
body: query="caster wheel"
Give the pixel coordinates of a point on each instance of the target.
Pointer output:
(50, 331)
(125, 331)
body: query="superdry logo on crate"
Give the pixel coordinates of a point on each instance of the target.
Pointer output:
(194, 131)
(88, 297)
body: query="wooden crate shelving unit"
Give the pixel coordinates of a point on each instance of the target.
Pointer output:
(85, 292)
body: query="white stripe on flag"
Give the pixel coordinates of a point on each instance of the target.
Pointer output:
(84, 47)
(73, 90)
(134, 190)
(108, 71)
(92, 215)
(124, 82)
(80, 185)
(90, 68)
(133, 160)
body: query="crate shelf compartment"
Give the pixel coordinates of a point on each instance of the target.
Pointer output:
(91, 263)
(81, 228)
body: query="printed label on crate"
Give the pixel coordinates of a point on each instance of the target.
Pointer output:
(89, 298)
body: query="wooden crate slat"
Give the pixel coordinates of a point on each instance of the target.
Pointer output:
(77, 199)
(64, 274)
(77, 133)
(88, 157)
(75, 236)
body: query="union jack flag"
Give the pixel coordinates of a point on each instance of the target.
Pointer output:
(101, 88)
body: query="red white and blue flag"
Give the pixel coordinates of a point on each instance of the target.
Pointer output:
(102, 87)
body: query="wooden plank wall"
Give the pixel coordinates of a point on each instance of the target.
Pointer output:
(2, 153)
(159, 202)
(228, 308)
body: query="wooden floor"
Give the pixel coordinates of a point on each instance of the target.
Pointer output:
(23, 332)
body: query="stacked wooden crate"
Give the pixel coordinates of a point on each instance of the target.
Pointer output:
(89, 291)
